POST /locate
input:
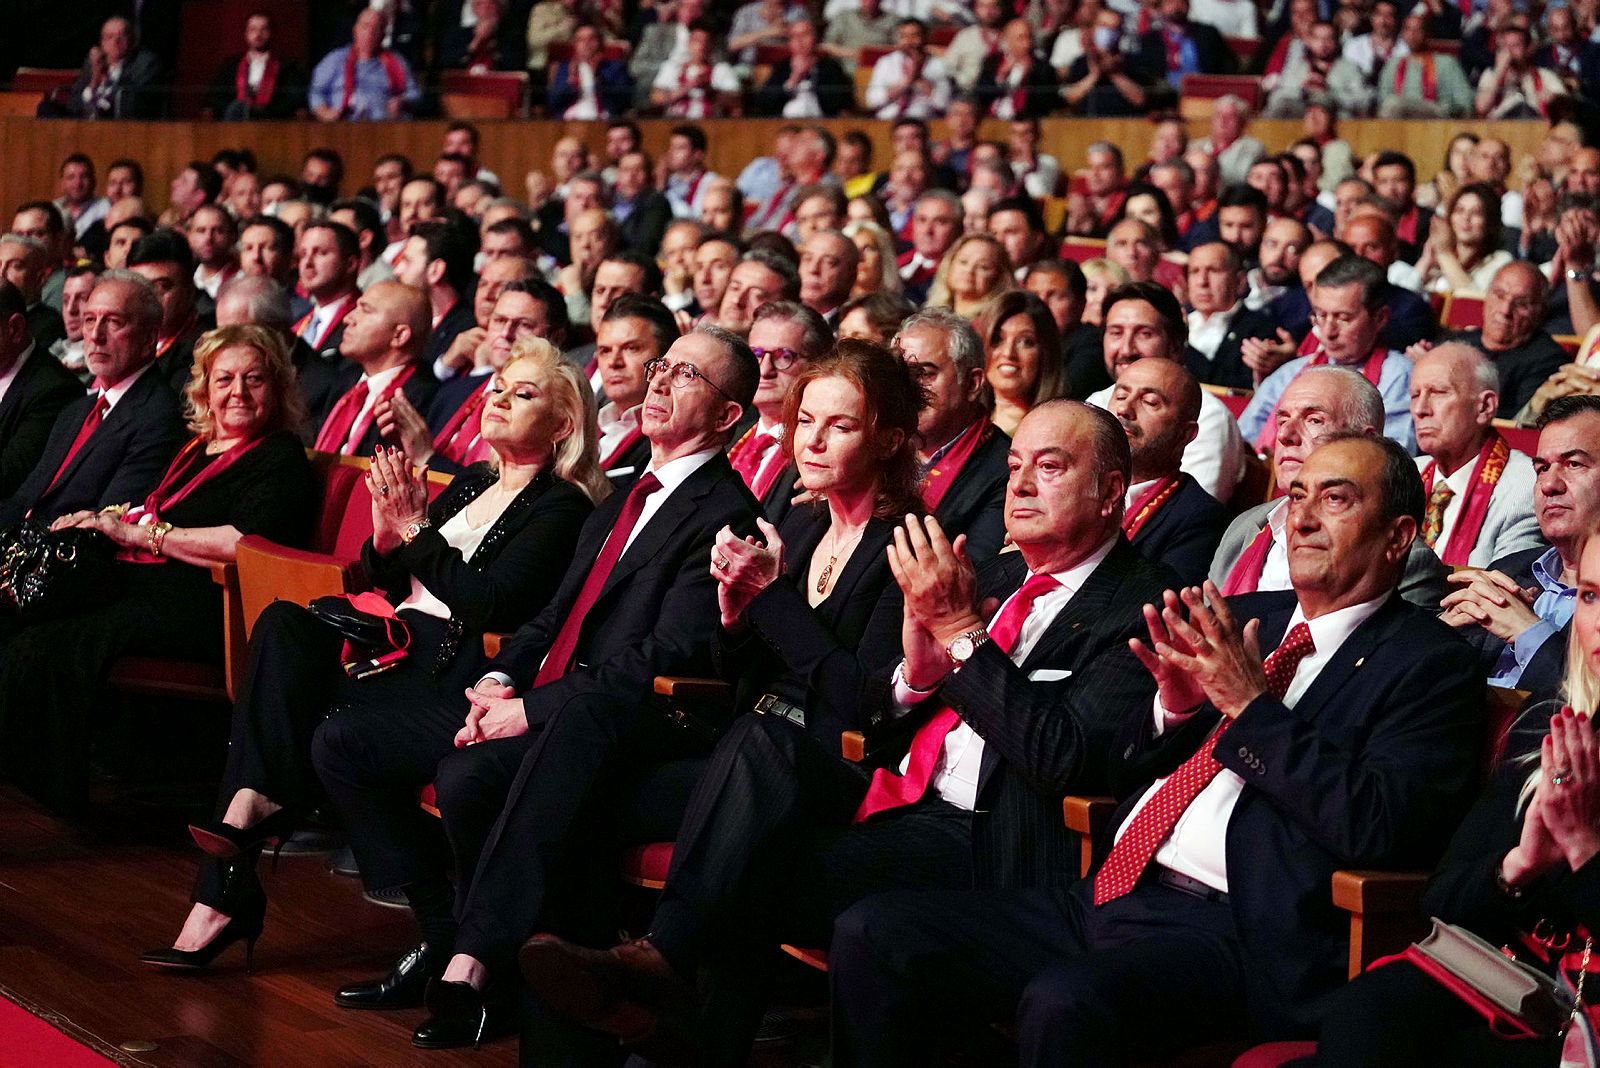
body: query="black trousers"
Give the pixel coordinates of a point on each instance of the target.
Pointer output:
(1399, 1015)
(1141, 976)
(535, 819)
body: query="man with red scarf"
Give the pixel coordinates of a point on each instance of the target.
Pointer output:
(363, 80)
(1480, 490)
(257, 83)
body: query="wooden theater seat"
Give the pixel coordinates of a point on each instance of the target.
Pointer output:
(498, 94)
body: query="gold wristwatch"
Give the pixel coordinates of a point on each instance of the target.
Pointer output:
(962, 646)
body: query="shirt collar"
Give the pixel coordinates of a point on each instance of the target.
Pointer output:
(381, 380)
(674, 473)
(1074, 577)
(1331, 630)
(611, 416)
(1547, 571)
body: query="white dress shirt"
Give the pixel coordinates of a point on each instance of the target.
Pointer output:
(893, 69)
(120, 390)
(955, 777)
(1198, 844)
(376, 384)
(1207, 331)
(1275, 569)
(459, 534)
(615, 426)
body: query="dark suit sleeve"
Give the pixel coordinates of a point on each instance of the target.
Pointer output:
(522, 578)
(616, 89)
(767, 99)
(20, 453)
(987, 531)
(1371, 800)
(559, 95)
(150, 449)
(836, 676)
(835, 89)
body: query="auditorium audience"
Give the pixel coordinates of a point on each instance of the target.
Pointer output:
(1524, 354)
(243, 472)
(119, 80)
(974, 269)
(1023, 355)
(479, 558)
(364, 80)
(34, 388)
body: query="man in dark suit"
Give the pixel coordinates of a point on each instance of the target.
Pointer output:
(642, 213)
(165, 260)
(24, 262)
(34, 387)
(1355, 745)
(962, 452)
(437, 259)
(1001, 719)
(111, 446)
(558, 715)
(1169, 518)
(382, 342)
(257, 83)
(119, 80)
(1177, 46)
(635, 330)
(1518, 612)
(804, 72)
(1219, 322)
(328, 259)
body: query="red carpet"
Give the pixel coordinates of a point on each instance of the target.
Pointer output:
(28, 1042)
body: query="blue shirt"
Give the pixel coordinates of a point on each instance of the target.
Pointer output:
(1394, 383)
(1553, 606)
(370, 100)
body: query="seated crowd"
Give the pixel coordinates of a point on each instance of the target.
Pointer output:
(1225, 522)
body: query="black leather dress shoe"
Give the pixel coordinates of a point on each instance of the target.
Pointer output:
(462, 1016)
(404, 986)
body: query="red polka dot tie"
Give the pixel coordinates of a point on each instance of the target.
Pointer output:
(1152, 824)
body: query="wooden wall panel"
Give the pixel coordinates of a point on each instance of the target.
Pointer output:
(31, 150)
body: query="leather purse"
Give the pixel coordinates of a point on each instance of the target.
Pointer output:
(1518, 1001)
(46, 574)
(375, 639)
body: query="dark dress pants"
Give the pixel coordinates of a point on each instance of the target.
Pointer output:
(1397, 1015)
(1141, 976)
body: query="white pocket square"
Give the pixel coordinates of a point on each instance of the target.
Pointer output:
(1048, 675)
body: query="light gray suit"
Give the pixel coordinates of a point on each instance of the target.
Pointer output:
(1422, 584)
(1510, 525)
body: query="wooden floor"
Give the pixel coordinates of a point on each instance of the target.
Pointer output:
(78, 903)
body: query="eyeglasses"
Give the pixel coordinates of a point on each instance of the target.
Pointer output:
(683, 375)
(782, 359)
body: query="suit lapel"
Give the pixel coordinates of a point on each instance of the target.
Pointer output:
(22, 385)
(123, 412)
(1347, 662)
(681, 505)
(874, 540)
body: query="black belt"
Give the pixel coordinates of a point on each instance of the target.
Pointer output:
(769, 705)
(1193, 887)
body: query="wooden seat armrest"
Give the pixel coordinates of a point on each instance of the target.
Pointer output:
(225, 574)
(1384, 917)
(684, 687)
(1087, 816)
(853, 746)
(492, 643)
(1378, 891)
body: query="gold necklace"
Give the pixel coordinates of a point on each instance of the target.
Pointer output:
(833, 558)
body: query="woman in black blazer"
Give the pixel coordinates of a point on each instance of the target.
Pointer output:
(485, 556)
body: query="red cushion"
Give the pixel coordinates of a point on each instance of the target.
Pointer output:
(647, 863)
(340, 480)
(1274, 1054)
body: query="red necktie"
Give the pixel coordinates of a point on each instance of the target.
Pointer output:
(889, 790)
(336, 430)
(559, 658)
(90, 423)
(1152, 823)
(748, 461)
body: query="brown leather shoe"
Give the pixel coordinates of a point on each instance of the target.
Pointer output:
(629, 991)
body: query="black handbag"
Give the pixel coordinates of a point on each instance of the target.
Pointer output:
(46, 574)
(375, 639)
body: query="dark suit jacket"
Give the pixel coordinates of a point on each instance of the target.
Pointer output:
(45, 326)
(647, 223)
(137, 96)
(775, 505)
(1083, 355)
(1410, 318)
(1045, 737)
(1184, 532)
(419, 390)
(1148, 63)
(175, 364)
(975, 504)
(613, 85)
(29, 409)
(1545, 670)
(657, 612)
(459, 318)
(630, 465)
(1227, 366)
(1371, 769)
(447, 400)
(832, 660)
(288, 92)
(835, 91)
(120, 463)
(1042, 92)
(1522, 369)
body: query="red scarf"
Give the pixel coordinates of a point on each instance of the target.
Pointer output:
(393, 69)
(1491, 464)
(464, 428)
(269, 80)
(1372, 370)
(1149, 503)
(168, 493)
(342, 308)
(1245, 575)
(629, 440)
(943, 474)
(766, 471)
(1430, 78)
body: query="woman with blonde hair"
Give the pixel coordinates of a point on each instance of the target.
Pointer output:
(1520, 873)
(1101, 276)
(877, 271)
(485, 556)
(974, 269)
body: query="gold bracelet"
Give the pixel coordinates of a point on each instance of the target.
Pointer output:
(158, 537)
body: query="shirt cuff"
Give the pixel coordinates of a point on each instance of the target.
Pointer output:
(497, 676)
(906, 697)
(1166, 720)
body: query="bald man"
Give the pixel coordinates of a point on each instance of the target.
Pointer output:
(1480, 490)
(1168, 516)
(384, 337)
(1513, 335)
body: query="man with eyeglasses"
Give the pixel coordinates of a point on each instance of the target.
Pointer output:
(557, 733)
(786, 338)
(1349, 308)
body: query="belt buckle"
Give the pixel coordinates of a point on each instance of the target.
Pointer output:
(772, 705)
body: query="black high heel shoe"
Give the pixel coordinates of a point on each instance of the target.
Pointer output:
(223, 840)
(246, 906)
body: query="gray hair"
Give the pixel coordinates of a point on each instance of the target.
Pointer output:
(746, 368)
(266, 302)
(1231, 100)
(1485, 375)
(32, 244)
(1360, 405)
(524, 212)
(945, 197)
(816, 337)
(146, 302)
(961, 340)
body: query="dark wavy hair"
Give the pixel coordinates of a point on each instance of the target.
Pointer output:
(893, 399)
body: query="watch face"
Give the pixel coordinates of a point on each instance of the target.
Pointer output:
(961, 648)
